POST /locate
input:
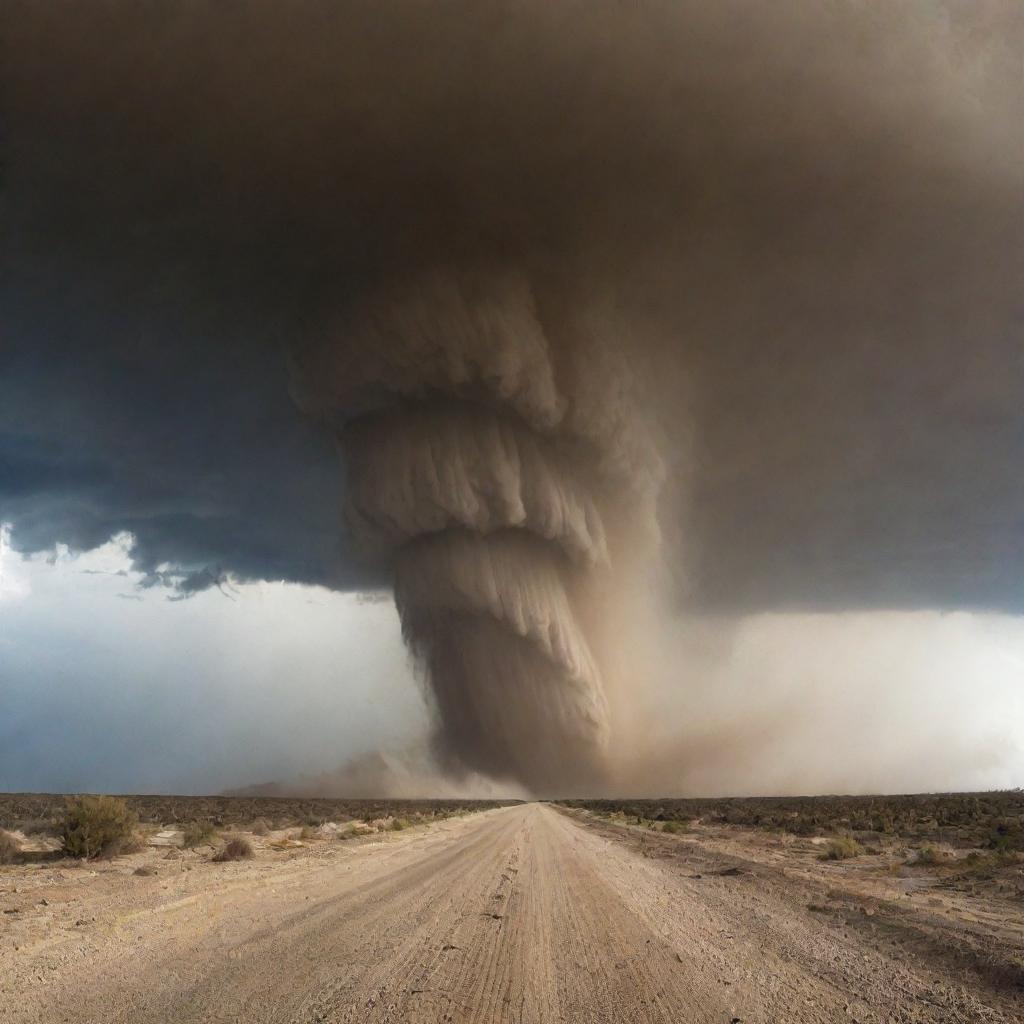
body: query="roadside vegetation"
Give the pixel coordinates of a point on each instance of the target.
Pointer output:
(98, 826)
(990, 821)
(45, 829)
(964, 842)
(44, 813)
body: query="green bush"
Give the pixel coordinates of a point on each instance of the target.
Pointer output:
(97, 826)
(397, 824)
(842, 848)
(675, 827)
(238, 848)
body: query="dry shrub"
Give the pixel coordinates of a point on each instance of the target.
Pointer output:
(97, 826)
(987, 865)
(259, 827)
(38, 827)
(10, 848)
(133, 844)
(842, 848)
(238, 848)
(199, 833)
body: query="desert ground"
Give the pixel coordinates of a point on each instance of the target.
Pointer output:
(524, 912)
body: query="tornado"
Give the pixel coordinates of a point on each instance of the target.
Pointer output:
(497, 465)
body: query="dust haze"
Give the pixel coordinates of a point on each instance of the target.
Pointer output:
(618, 317)
(502, 469)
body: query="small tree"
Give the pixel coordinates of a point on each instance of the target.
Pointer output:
(97, 825)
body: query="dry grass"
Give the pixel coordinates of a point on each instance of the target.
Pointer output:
(987, 865)
(199, 833)
(842, 848)
(675, 827)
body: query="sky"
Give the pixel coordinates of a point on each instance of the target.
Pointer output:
(861, 702)
(783, 248)
(111, 687)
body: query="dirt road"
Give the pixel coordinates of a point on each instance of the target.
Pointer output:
(519, 914)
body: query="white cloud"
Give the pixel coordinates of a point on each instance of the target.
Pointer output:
(14, 584)
(207, 693)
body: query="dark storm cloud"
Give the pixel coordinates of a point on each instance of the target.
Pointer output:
(809, 215)
(110, 424)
